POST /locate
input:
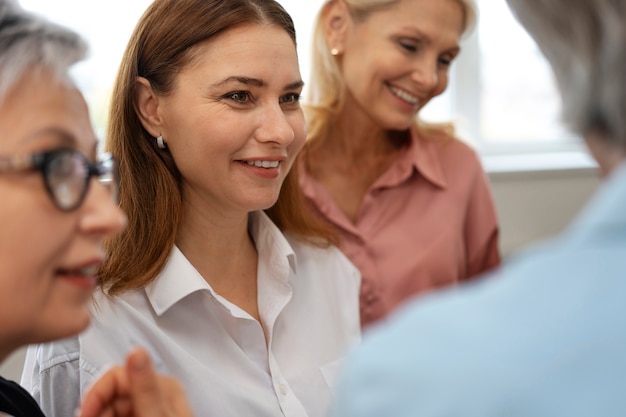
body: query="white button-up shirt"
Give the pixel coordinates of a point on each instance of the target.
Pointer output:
(228, 364)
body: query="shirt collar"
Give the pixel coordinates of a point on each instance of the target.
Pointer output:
(179, 278)
(423, 156)
(270, 241)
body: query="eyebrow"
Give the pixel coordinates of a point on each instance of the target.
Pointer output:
(65, 138)
(255, 82)
(427, 39)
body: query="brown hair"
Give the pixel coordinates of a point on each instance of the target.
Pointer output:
(151, 184)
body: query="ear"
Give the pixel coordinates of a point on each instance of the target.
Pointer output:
(336, 18)
(147, 106)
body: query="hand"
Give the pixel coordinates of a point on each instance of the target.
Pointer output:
(135, 390)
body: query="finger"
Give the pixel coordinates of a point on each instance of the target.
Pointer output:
(123, 407)
(154, 395)
(177, 401)
(144, 385)
(108, 389)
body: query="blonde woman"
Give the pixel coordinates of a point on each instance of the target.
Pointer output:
(411, 203)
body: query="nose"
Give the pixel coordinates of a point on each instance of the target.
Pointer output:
(100, 212)
(274, 126)
(425, 73)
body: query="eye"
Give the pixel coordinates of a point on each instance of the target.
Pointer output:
(291, 98)
(410, 46)
(446, 60)
(241, 97)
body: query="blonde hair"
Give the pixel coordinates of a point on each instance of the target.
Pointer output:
(327, 89)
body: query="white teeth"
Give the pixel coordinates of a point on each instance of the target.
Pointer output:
(405, 96)
(88, 271)
(263, 164)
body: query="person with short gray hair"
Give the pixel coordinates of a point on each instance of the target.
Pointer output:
(546, 337)
(27, 42)
(59, 203)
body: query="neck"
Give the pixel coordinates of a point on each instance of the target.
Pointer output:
(357, 142)
(217, 244)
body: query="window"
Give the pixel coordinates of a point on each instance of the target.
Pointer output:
(501, 94)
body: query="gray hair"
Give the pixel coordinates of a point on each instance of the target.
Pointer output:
(585, 43)
(29, 42)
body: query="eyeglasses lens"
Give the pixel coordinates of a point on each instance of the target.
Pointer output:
(68, 176)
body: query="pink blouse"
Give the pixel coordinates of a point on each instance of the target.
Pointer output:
(428, 222)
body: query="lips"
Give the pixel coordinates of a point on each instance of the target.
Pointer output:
(88, 270)
(84, 277)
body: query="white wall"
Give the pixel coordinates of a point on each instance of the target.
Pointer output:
(536, 205)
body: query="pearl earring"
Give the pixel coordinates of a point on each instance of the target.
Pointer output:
(334, 51)
(160, 142)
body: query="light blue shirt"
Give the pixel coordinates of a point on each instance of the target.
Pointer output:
(544, 336)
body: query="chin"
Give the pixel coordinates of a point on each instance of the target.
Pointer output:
(62, 328)
(263, 203)
(398, 124)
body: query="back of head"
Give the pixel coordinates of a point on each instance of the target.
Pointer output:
(28, 42)
(585, 43)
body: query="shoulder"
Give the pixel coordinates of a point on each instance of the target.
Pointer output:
(48, 355)
(16, 401)
(446, 144)
(325, 268)
(452, 151)
(416, 360)
(116, 322)
(447, 159)
(489, 340)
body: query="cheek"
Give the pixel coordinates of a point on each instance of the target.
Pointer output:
(440, 87)
(34, 240)
(442, 83)
(24, 292)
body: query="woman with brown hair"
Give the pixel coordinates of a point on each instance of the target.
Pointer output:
(220, 272)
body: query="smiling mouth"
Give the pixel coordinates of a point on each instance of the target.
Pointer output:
(263, 164)
(87, 271)
(403, 95)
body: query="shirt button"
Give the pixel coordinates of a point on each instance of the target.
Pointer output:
(283, 389)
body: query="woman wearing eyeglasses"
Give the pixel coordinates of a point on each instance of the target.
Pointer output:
(58, 204)
(221, 272)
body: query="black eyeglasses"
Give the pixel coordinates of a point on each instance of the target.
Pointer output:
(67, 174)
